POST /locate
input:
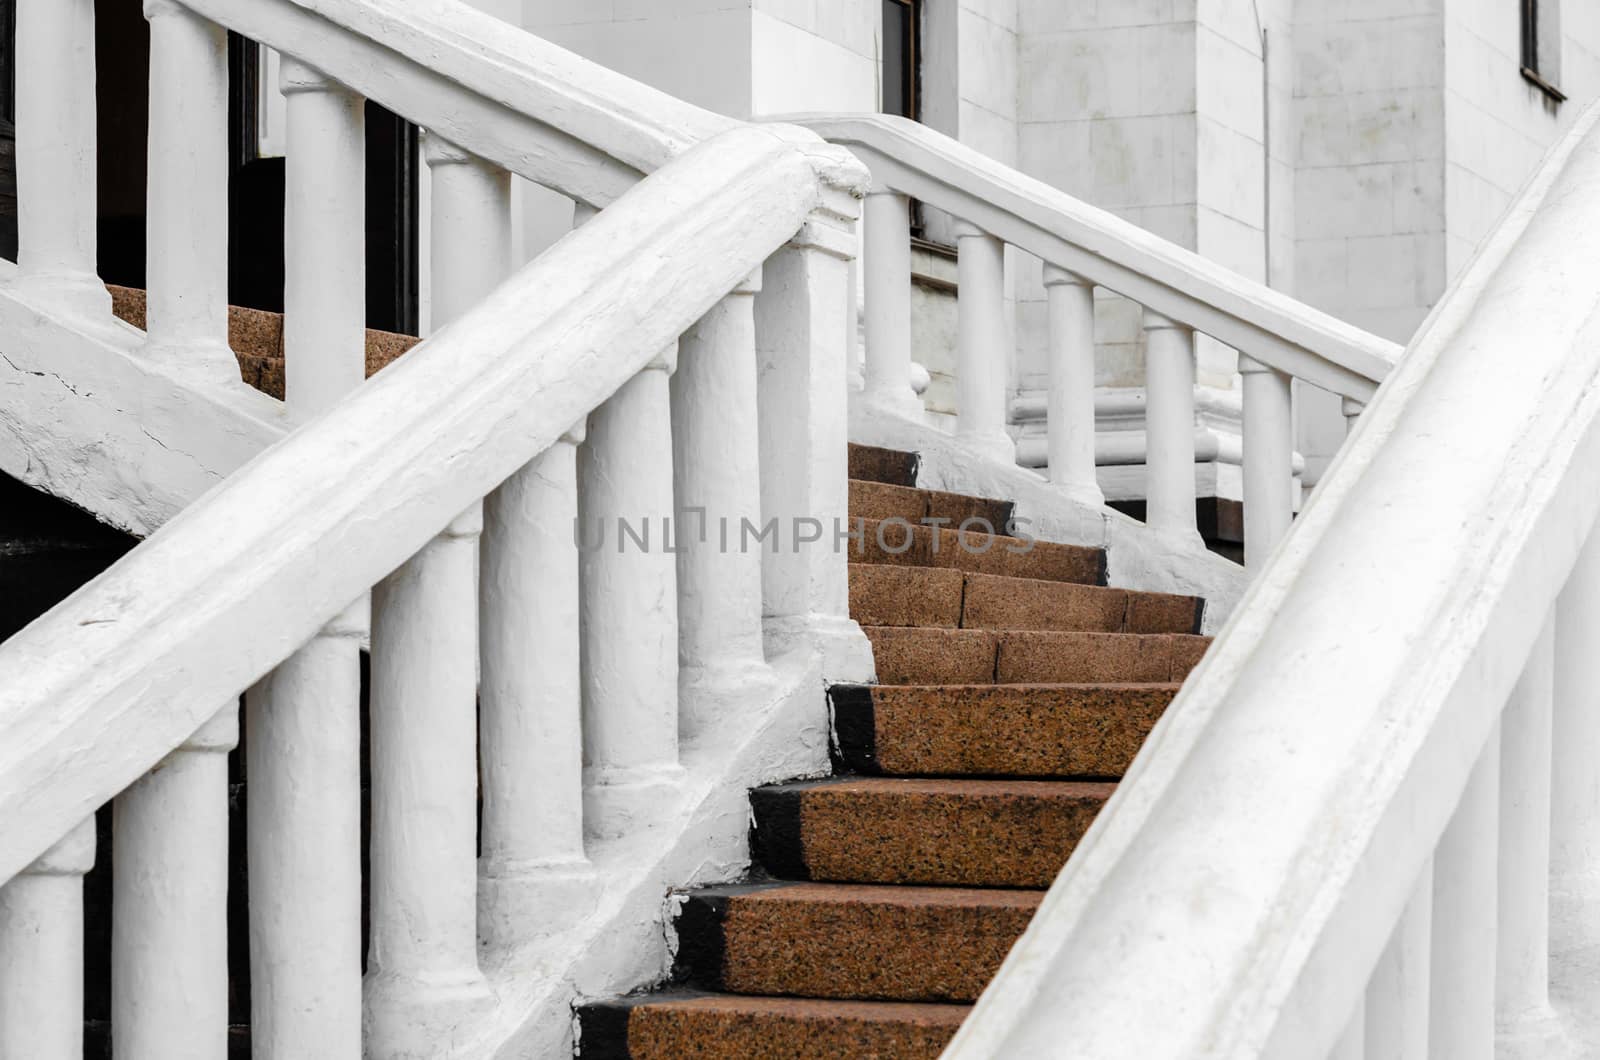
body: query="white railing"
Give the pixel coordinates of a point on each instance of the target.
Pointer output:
(1370, 823)
(1082, 247)
(469, 445)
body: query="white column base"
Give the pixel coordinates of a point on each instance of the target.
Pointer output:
(844, 651)
(409, 1019)
(709, 694)
(619, 802)
(533, 901)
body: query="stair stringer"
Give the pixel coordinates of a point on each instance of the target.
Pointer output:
(1136, 556)
(85, 418)
(612, 934)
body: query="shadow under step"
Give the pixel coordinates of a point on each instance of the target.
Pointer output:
(837, 941)
(880, 500)
(676, 1024)
(946, 832)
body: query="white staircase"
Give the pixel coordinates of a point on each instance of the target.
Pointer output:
(687, 350)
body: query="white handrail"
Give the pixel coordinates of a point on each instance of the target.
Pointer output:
(103, 686)
(1236, 893)
(484, 85)
(912, 159)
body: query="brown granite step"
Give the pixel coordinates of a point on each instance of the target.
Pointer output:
(907, 544)
(674, 1025)
(964, 833)
(1073, 731)
(884, 594)
(880, 500)
(907, 655)
(868, 463)
(841, 941)
(256, 337)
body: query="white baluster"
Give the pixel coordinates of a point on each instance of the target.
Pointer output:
(1352, 410)
(1575, 782)
(41, 953)
(530, 691)
(55, 156)
(303, 721)
(422, 961)
(887, 219)
(186, 251)
(1398, 993)
(1169, 426)
(629, 605)
(1071, 424)
(1268, 459)
(169, 913)
(801, 397)
(422, 969)
(1462, 958)
(1352, 1044)
(717, 473)
(981, 352)
(1522, 981)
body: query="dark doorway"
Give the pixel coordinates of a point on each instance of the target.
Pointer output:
(255, 183)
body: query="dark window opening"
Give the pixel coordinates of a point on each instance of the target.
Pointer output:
(902, 58)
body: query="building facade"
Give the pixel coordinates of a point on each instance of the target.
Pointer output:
(1348, 152)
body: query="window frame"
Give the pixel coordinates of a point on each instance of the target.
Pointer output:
(911, 83)
(1533, 71)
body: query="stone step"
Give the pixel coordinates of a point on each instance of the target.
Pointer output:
(678, 1024)
(855, 942)
(962, 833)
(879, 500)
(256, 337)
(868, 463)
(1073, 731)
(908, 655)
(889, 595)
(904, 544)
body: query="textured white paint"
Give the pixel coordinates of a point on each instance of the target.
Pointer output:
(980, 345)
(629, 605)
(530, 736)
(55, 150)
(186, 246)
(41, 952)
(801, 366)
(1398, 994)
(1461, 980)
(1269, 485)
(169, 910)
(303, 721)
(1169, 434)
(1522, 962)
(716, 458)
(887, 313)
(1070, 417)
(1067, 232)
(1575, 783)
(1295, 805)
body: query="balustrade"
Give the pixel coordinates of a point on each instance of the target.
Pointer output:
(41, 952)
(886, 220)
(717, 479)
(303, 721)
(186, 246)
(169, 914)
(55, 152)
